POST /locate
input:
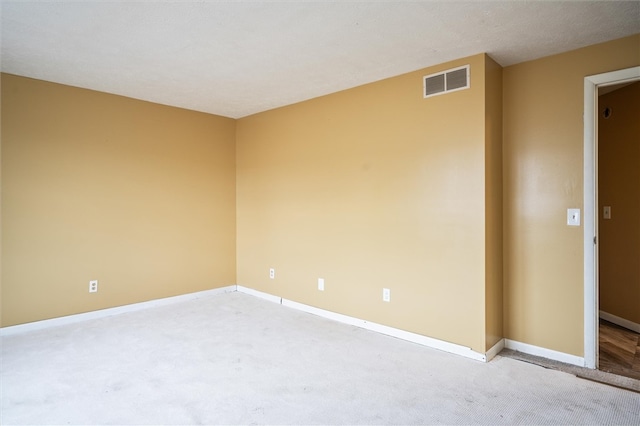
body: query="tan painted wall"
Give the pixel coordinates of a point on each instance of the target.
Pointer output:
(369, 188)
(543, 160)
(619, 188)
(1, 209)
(1, 298)
(494, 328)
(94, 186)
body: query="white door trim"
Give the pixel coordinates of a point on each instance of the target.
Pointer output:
(591, 84)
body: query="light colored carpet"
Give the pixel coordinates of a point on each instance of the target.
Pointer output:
(236, 359)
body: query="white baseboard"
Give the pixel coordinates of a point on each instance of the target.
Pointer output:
(260, 294)
(345, 319)
(620, 321)
(495, 350)
(379, 328)
(544, 352)
(71, 319)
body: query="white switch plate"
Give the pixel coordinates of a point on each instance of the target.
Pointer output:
(573, 217)
(272, 273)
(386, 295)
(93, 286)
(321, 284)
(606, 212)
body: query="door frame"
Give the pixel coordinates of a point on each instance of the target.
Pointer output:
(590, 118)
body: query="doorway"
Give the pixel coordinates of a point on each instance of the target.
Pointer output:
(592, 84)
(618, 195)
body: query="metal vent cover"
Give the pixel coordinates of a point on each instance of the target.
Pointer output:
(446, 81)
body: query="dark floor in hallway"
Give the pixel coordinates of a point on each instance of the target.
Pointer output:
(619, 350)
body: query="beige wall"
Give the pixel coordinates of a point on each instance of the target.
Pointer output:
(494, 327)
(1, 209)
(136, 195)
(369, 188)
(543, 152)
(619, 188)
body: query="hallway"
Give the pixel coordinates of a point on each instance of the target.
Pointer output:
(619, 350)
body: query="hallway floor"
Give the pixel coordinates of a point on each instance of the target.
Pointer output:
(619, 350)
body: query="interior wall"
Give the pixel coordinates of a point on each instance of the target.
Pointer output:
(494, 315)
(137, 195)
(1, 298)
(543, 177)
(370, 188)
(619, 188)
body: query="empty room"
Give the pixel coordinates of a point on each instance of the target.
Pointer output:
(320, 212)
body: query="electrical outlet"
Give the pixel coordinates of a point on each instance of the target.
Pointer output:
(386, 295)
(93, 286)
(321, 284)
(272, 273)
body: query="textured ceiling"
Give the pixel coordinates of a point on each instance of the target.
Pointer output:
(239, 58)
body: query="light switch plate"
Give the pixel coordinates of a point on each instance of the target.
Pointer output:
(606, 212)
(573, 217)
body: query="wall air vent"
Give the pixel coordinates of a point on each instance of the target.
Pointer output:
(446, 81)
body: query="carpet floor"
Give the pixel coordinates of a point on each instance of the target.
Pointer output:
(236, 359)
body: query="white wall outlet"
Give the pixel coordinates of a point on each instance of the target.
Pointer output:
(272, 273)
(573, 217)
(386, 295)
(606, 212)
(93, 286)
(321, 284)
